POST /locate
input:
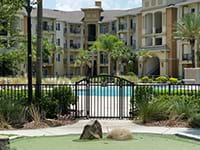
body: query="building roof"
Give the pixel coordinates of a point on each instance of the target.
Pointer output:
(77, 16)
(133, 11)
(186, 2)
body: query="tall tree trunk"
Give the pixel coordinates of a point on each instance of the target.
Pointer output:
(39, 50)
(192, 43)
(117, 67)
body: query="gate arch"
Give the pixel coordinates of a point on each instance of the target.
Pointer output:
(104, 96)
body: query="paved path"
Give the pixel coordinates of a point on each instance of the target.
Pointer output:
(107, 125)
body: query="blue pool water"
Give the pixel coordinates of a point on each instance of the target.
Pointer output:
(115, 90)
(106, 91)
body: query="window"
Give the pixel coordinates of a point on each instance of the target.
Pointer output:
(91, 32)
(160, 2)
(193, 10)
(131, 23)
(58, 58)
(146, 4)
(65, 30)
(103, 58)
(131, 40)
(72, 59)
(134, 26)
(58, 42)
(45, 26)
(65, 45)
(113, 26)
(153, 2)
(58, 26)
(75, 29)
(158, 41)
(134, 44)
(103, 29)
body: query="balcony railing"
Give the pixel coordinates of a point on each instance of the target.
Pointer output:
(187, 56)
(75, 46)
(122, 26)
(48, 28)
(75, 31)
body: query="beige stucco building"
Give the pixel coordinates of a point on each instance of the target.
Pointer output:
(149, 27)
(76, 30)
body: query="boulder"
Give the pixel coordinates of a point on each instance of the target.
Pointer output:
(4, 143)
(120, 134)
(92, 130)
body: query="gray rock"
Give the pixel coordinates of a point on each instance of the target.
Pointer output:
(4, 143)
(92, 130)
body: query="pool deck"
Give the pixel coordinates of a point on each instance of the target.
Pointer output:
(107, 126)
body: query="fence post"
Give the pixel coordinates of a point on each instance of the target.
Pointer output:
(87, 99)
(120, 99)
(132, 101)
(76, 98)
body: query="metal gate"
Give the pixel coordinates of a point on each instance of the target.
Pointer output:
(104, 97)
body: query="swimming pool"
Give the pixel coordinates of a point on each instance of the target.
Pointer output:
(97, 90)
(106, 91)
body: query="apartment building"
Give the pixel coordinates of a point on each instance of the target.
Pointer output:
(149, 27)
(76, 30)
(183, 47)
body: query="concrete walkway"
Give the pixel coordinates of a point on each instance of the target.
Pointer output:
(107, 126)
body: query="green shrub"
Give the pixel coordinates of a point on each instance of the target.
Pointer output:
(161, 79)
(49, 106)
(183, 107)
(154, 110)
(145, 79)
(76, 79)
(173, 80)
(195, 121)
(65, 97)
(130, 74)
(12, 109)
(130, 78)
(143, 93)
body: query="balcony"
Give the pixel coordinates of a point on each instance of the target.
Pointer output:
(75, 45)
(48, 28)
(47, 62)
(122, 26)
(187, 57)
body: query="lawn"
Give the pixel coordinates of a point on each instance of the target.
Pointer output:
(140, 142)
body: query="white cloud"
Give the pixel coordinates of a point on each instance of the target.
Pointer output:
(69, 5)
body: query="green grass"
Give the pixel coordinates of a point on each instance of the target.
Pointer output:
(140, 142)
(8, 135)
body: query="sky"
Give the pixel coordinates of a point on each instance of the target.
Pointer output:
(70, 5)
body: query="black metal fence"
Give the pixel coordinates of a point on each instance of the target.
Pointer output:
(100, 97)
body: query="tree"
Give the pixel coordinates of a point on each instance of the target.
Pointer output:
(9, 61)
(143, 56)
(113, 47)
(84, 60)
(8, 11)
(39, 49)
(49, 49)
(133, 63)
(188, 29)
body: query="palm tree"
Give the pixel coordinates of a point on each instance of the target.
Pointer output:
(143, 56)
(39, 49)
(113, 47)
(188, 29)
(84, 60)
